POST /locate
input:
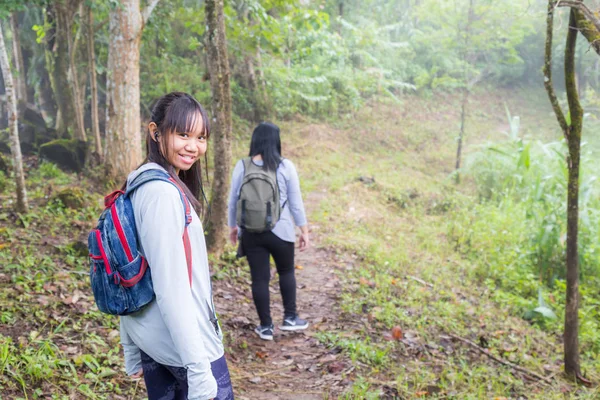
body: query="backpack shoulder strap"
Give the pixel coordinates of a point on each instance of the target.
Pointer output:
(246, 164)
(145, 177)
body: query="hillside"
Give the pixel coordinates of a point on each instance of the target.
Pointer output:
(388, 224)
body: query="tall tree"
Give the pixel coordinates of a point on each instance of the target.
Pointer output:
(572, 132)
(21, 77)
(93, 81)
(15, 146)
(59, 15)
(73, 75)
(467, 58)
(218, 65)
(123, 150)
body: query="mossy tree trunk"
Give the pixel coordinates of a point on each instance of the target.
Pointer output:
(13, 127)
(572, 132)
(221, 128)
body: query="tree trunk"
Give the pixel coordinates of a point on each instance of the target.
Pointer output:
(571, 336)
(93, 82)
(123, 149)
(572, 133)
(13, 127)
(20, 79)
(266, 104)
(59, 65)
(123, 146)
(463, 113)
(221, 132)
(73, 76)
(463, 109)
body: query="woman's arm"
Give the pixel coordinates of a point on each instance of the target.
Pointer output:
(236, 181)
(160, 231)
(133, 359)
(296, 204)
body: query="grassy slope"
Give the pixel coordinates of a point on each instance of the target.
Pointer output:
(396, 228)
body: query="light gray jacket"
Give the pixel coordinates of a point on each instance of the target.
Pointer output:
(175, 329)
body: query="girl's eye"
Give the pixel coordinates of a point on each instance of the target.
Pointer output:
(183, 135)
(202, 138)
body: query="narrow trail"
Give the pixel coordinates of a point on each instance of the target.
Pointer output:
(294, 365)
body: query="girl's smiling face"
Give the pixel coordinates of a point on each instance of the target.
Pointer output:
(183, 149)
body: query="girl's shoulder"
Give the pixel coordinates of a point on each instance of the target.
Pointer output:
(155, 187)
(287, 164)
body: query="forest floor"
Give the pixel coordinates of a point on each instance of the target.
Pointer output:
(396, 311)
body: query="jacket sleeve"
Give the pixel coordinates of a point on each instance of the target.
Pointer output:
(295, 195)
(236, 182)
(161, 231)
(133, 359)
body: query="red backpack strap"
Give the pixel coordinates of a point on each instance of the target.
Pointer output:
(188, 220)
(188, 253)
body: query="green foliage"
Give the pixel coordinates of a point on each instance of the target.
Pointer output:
(518, 230)
(531, 177)
(456, 45)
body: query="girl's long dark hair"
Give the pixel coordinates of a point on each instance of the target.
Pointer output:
(266, 142)
(178, 112)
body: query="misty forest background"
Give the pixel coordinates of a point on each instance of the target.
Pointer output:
(455, 210)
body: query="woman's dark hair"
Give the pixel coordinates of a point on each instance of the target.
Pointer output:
(178, 112)
(266, 142)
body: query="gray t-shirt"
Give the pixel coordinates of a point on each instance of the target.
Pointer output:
(289, 194)
(175, 329)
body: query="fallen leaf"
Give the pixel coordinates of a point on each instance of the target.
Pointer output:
(397, 333)
(262, 355)
(335, 367)
(256, 379)
(299, 267)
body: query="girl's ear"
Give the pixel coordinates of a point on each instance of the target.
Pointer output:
(153, 131)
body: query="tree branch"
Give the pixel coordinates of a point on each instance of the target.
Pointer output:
(589, 14)
(548, 71)
(588, 30)
(502, 361)
(148, 11)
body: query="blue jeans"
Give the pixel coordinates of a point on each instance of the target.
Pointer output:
(170, 383)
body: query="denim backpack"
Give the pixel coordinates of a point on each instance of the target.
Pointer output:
(118, 275)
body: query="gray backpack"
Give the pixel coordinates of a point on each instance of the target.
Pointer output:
(258, 207)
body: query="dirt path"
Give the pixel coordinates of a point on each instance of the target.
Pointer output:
(294, 365)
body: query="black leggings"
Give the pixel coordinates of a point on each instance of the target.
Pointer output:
(258, 247)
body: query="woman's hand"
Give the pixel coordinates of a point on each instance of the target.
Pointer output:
(233, 235)
(138, 374)
(304, 241)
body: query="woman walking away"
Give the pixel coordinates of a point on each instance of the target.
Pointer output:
(175, 342)
(264, 203)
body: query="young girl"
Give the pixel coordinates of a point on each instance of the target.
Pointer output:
(265, 151)
(175, 341)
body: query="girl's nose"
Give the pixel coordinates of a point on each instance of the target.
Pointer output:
(191, 147)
